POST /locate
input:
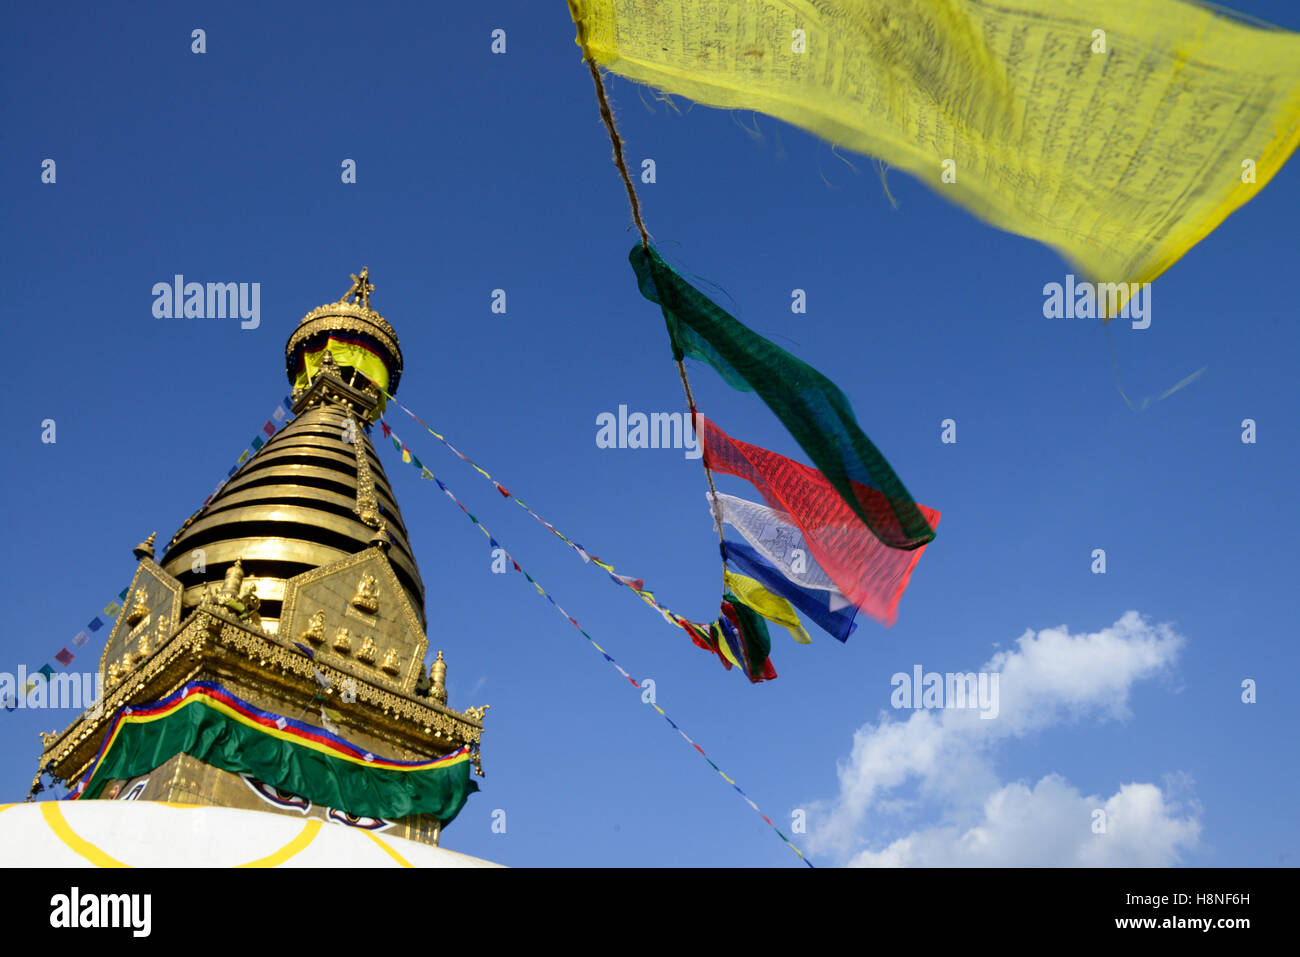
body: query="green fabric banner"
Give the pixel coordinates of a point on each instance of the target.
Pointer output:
(209, 724)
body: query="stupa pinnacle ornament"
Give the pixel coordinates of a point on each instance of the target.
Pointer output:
(360, 289)
(295, 594)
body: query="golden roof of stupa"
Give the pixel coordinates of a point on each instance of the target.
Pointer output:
(316, 492)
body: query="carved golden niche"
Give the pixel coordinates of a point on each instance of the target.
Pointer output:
(343, 590)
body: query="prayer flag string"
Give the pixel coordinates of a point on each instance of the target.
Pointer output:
(637, 585)
(404, 451)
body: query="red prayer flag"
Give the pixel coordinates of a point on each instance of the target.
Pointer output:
(269, 428)
(64, 657)
(870, 574)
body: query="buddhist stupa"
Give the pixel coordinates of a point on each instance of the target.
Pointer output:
(268, 695)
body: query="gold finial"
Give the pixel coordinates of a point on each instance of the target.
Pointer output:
(145, 549)
(361, 288)
(438, 680)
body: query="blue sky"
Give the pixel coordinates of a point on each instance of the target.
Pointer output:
(478, 171)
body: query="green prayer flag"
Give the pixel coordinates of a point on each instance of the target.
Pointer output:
(810, 406)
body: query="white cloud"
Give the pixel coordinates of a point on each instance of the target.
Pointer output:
(947, 756)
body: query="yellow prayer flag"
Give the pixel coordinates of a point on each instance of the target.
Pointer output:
(1119, 132)
(772, 607)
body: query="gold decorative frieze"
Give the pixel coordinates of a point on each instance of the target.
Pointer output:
(214, 645)
(156, 594)
(393, 626)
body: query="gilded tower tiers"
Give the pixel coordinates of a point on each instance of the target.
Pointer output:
(294, 591)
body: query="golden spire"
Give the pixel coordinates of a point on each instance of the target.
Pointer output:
(361, 288)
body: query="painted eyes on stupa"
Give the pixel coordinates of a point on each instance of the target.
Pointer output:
(276, 796)
(361, 821)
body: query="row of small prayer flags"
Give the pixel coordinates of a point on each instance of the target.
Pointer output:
(64, 656)
(408, 457)
(274, 422)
